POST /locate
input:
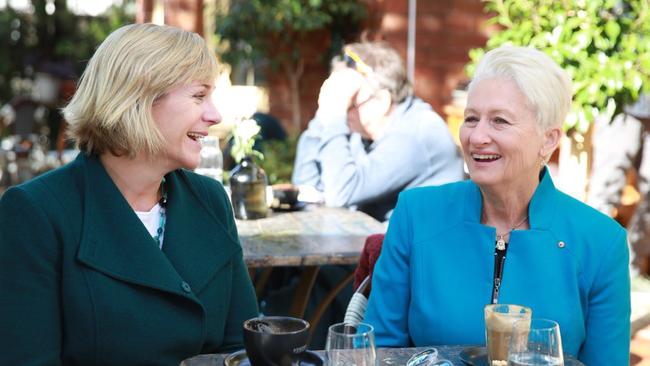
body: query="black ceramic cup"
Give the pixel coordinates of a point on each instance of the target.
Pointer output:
(275, 340)
(285, 194)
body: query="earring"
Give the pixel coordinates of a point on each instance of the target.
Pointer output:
(542, 160)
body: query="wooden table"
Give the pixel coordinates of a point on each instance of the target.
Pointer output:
(309, 238)
(315, 236)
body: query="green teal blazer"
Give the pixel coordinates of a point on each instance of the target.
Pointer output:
(83, 282)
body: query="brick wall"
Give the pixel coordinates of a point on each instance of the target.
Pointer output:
(315, 70)
(445, 31)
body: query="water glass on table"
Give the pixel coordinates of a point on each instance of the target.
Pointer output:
(537, 342)
(349, 345)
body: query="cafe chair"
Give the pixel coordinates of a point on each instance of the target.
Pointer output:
(363, 279)
(367, 259)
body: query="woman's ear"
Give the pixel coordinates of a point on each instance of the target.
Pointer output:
(551, 141)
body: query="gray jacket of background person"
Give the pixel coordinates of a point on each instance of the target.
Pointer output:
(416, 150)
(620, 145)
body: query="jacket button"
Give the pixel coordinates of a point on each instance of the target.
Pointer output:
(186, 287)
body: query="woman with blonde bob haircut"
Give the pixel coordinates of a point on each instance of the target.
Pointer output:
(125, 256)
(111, 110)
(506, 235)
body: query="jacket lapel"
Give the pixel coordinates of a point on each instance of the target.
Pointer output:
(115, 242)
(541, 210)
(196, 241)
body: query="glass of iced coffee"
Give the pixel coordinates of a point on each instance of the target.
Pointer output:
(499, 319)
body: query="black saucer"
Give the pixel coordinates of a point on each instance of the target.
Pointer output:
(477, 356)
(474, 356)
(239, 358)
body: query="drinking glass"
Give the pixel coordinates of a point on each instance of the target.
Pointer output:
(499, 319)
(536, 343)
(350, 345)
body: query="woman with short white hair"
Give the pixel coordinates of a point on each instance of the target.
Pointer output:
(125, 256)
(507, 235)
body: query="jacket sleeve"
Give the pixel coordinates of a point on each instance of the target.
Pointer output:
(306, 167)
(30, 305)
(607, 321)
(388, 306)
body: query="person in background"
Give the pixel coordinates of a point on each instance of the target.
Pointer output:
(507, 235)
(620, 145)
(124, 256)
(371, 137)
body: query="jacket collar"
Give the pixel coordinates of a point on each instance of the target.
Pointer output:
(541, 209)
(115, 242)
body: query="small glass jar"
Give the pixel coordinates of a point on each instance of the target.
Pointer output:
(211, 163)
(248, 184)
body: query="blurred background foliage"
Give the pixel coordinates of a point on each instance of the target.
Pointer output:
(603, 44)
(52, 39)
(255, 29)
(277, 31)
(279, 156)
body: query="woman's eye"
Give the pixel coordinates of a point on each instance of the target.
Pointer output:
(500, 120)
(470, 119)
(199, 96)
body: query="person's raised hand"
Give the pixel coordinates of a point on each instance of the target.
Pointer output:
(337, 91)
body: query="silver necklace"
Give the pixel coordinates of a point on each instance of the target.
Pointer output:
(501, 242)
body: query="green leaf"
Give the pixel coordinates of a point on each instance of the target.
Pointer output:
(612, 29)
(603, 46)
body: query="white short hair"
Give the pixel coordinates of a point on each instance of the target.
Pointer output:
(547, 87)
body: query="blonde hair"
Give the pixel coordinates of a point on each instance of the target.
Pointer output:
(134, 66)
(546, 86)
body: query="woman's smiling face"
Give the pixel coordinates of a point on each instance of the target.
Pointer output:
(500, 137)
(183, 116)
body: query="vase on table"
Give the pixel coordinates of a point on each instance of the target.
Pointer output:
(248, 190)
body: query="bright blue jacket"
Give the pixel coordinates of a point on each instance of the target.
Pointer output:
(434, 274)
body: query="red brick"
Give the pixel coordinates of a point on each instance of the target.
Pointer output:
(431, 6)
(445, 32)
(459, 20)
(395, 22)
(395, 6)
(429, 23)
(472, 6)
